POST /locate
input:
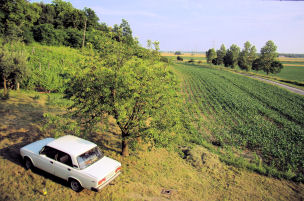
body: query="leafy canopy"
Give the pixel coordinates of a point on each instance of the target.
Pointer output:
(132, 90)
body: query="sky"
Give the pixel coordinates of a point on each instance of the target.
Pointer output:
(197, 25)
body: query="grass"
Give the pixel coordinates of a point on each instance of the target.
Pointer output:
(146, 174)
(295, 73)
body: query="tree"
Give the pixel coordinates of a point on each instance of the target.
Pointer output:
(220, 55)
(178, 53)
(267, 59)
(123, 32)
(247, 56)
(210, 54)
(16, 16)
(92, 18)
(179, 58)
(48, 14)
(191, 61)
(132, 90)
(232, 55)
(13, 64)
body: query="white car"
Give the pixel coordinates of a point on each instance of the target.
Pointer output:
(76, 160)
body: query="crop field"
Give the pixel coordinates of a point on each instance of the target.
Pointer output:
(230, 109)
(168, 54)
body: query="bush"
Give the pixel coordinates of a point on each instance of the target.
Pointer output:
(179, 58)
(178, 53)
(164, 59)
(191, 61)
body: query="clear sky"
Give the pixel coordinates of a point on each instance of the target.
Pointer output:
(197, 25)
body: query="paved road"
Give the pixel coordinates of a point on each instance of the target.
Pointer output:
(292, 89)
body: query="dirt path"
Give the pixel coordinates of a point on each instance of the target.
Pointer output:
(292, 89)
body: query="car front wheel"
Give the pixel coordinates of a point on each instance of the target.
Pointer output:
(75, 185)
(28, 163)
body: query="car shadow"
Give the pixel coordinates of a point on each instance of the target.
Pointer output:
(12, 153)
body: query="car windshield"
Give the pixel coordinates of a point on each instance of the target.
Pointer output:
(88, 158)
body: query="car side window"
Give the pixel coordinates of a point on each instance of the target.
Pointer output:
(49, 152)
(64, 158)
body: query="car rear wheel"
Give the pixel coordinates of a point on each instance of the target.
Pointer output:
(75, 185)
(28, 163)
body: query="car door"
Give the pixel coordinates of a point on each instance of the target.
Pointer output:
(63, 166)
(47, 159)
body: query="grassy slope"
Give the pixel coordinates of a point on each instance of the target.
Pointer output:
(144, 176)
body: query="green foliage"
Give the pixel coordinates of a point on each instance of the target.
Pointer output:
(45, 34)
(17, 16)
(220, 55)
(13, 63)
(177, 53)
(179, 58)
(267, 60)
(132, 90)
(60, 125)
(164, 59)
(247, 56)
(123, 32)
(232, 55)
(58, 23)
(211, 55)
(191, 61)
(52, 67)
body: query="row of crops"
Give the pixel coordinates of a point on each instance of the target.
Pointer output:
(249, 114)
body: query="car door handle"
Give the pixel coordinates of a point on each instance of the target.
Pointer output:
(69, 169)
(51, 162)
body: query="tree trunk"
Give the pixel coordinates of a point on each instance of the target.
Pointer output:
(4, 86)
(17, 85)
(84, 32)
(125, 147)
(139, 139)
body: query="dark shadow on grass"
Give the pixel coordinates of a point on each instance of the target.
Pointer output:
(12, 153)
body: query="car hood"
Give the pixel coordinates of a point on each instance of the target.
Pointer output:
(102, 168)
(35, 147)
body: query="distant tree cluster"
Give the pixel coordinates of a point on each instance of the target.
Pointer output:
(58, 23)
(248, 58)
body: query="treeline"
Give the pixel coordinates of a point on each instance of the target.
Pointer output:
(58, 23)
(247, 59)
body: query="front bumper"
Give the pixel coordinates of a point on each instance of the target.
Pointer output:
(106, 182)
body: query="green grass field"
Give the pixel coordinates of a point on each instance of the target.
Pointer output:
(235, 110)
(295, 73)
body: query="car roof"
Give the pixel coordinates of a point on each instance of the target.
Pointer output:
(72, 145)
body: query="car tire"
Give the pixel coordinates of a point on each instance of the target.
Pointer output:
(28, 164)
(75, 185)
